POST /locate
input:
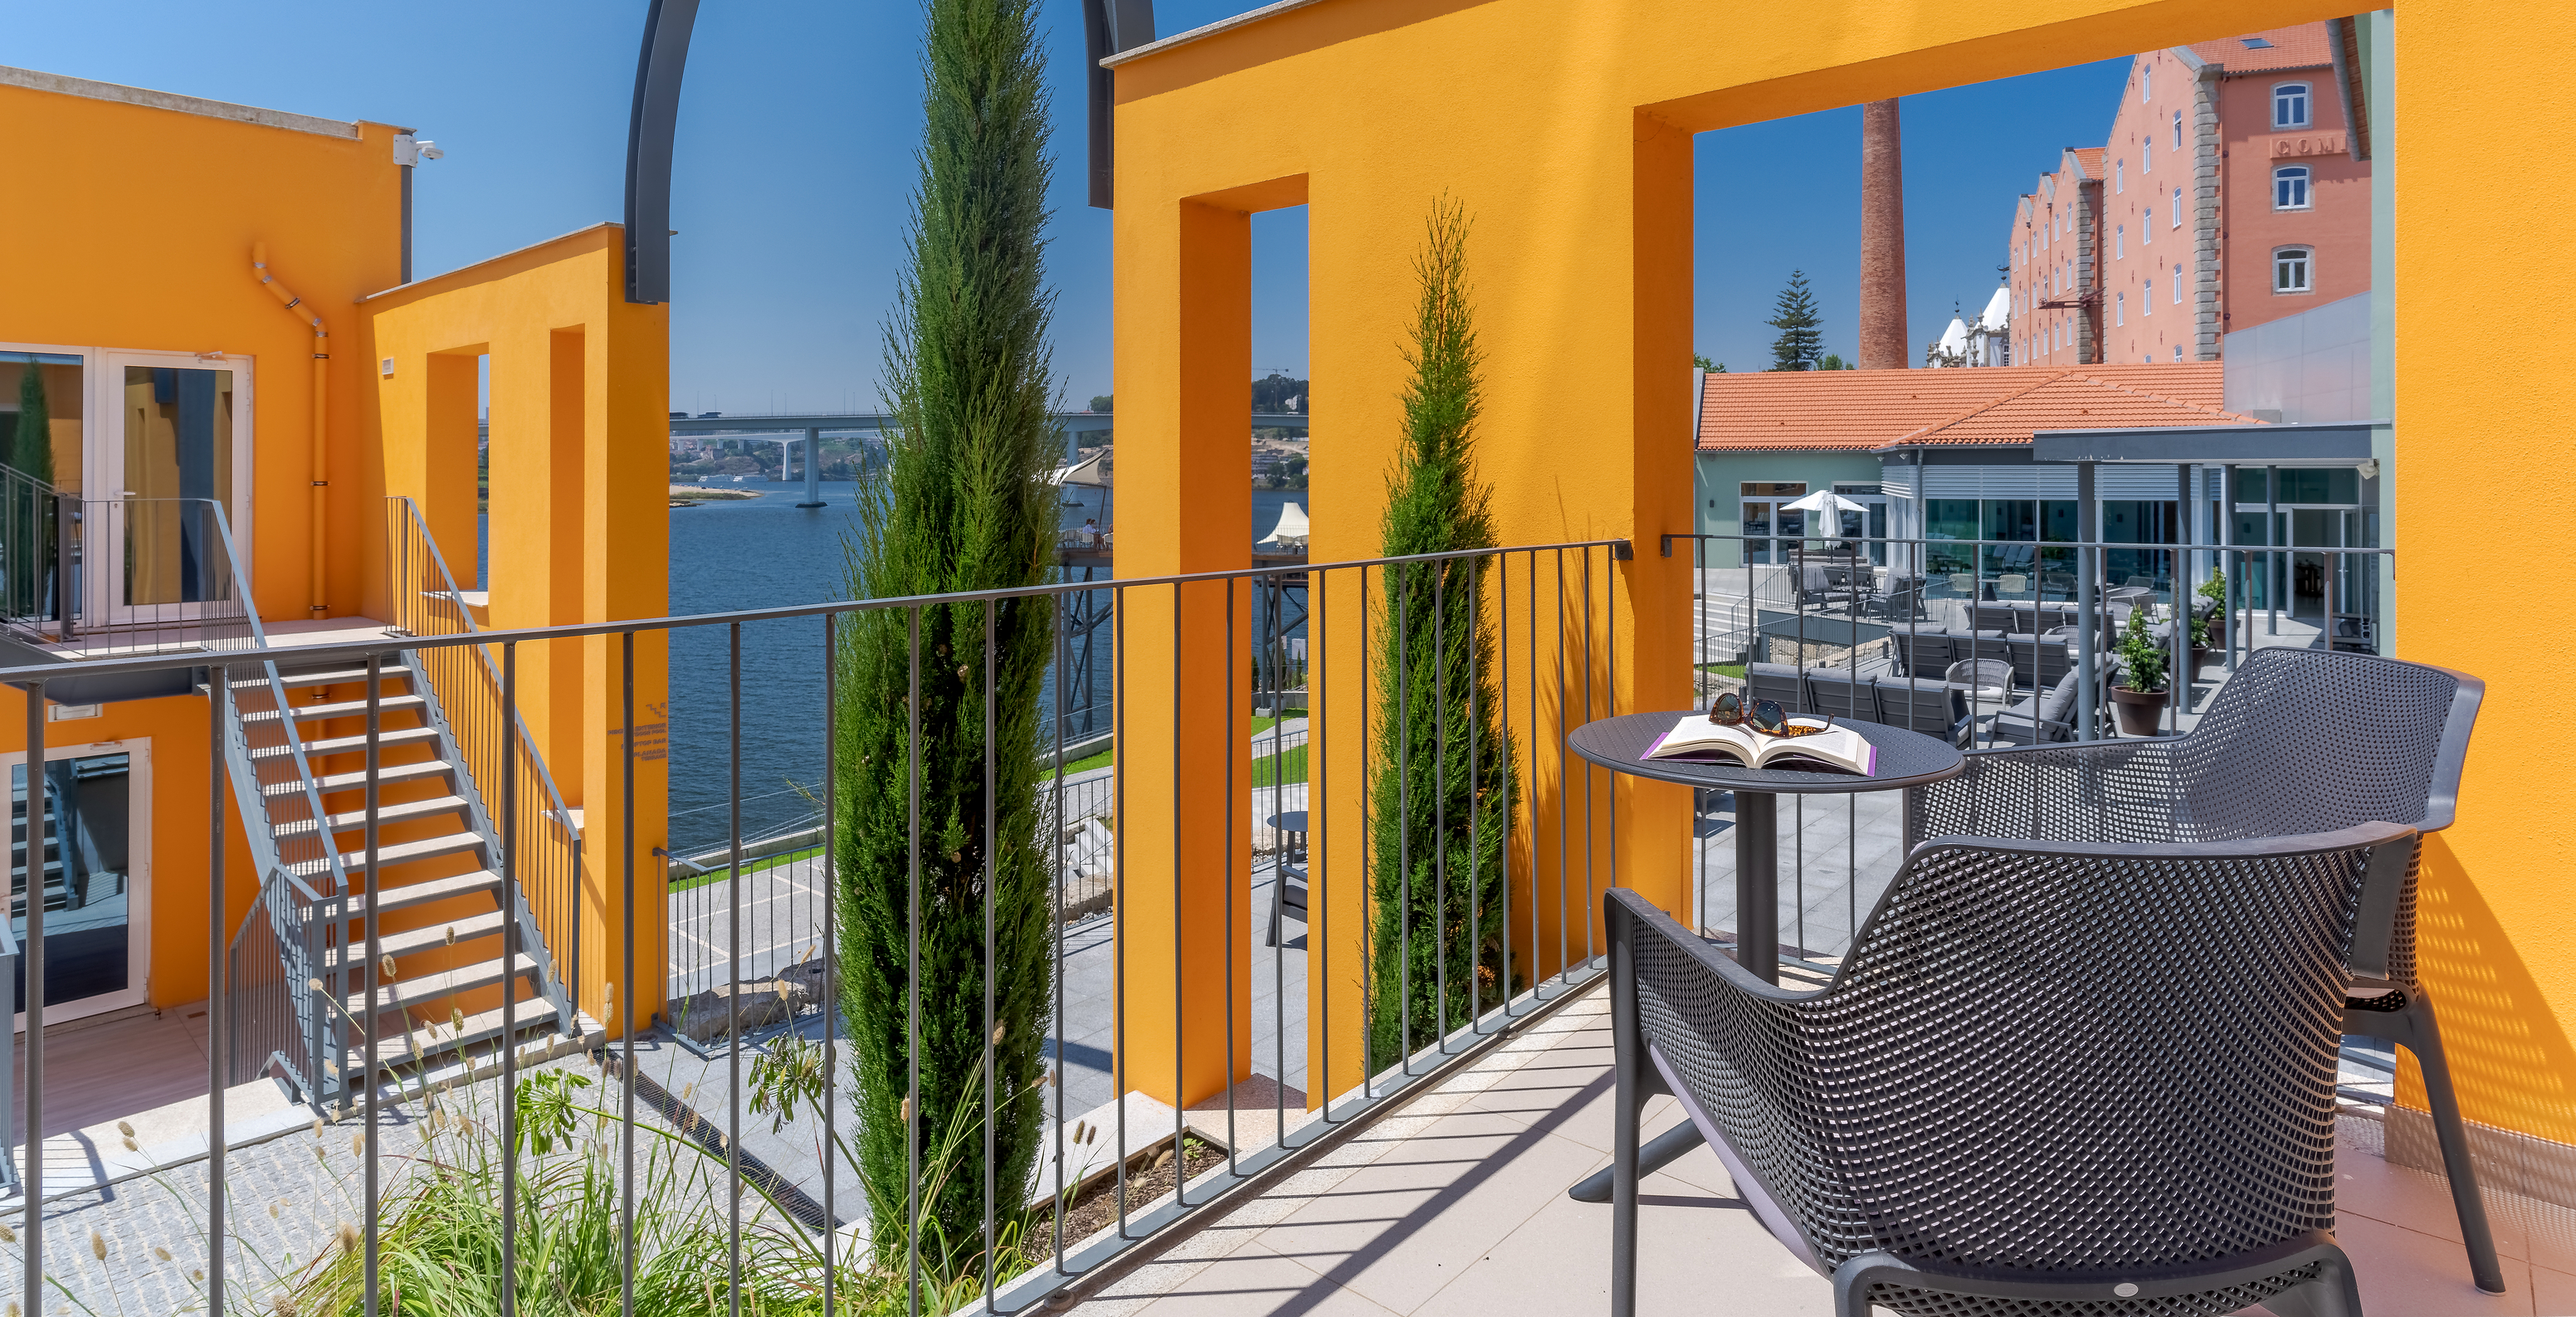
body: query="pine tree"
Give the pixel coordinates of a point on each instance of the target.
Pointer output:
(961, 505)
(1800, 344)
(1443, 787)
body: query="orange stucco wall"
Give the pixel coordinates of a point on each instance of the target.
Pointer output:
(1565, 130)
(579, 487)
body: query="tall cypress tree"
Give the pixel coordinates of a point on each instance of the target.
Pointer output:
(1800, 344)
(1442, 784)
(961, 505)
(31, 452)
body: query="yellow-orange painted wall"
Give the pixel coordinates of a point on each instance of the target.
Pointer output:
(140, 238)
(579, 485)
(2498, 927)
(1566, 132)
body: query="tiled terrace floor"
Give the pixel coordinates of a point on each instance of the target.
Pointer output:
(1457, 1205)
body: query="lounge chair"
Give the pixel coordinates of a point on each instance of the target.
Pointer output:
(2046, 714)
(2298, 741)
(2052, 1077)
(1927, 705)
(1775, 681)
(1835, 692)
(1290, 903)
(1920, 653)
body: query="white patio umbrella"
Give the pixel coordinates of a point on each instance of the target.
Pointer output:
(1291, 530)
(1828, 502)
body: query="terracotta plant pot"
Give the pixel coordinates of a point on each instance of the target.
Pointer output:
(2141, 712)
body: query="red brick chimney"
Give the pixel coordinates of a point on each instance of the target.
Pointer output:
(1882, 240)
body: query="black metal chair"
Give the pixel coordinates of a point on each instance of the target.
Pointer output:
(1289, 902)
(2297, 741)
(1928, 705)
(2039, 1085)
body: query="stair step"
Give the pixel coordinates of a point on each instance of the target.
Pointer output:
(406, 994)
(411, 940)
(356, 820)
(388, 774)
(334, 675)
(404, 852)
(336, 745)
(396, 1049)
(354, 905)
(353, 708)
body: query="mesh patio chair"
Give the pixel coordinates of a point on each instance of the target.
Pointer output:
(2297, 741)
(2038, 1086)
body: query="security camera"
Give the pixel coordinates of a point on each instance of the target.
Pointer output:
(430, 151)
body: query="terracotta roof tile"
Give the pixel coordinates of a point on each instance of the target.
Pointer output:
(2092, 158)
(2301, 47)
(1860, 410)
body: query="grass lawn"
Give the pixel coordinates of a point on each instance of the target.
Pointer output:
(1266, 771)
(1724, 669)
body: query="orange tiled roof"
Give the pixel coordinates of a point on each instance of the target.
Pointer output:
(1858, 410)
(2092, 158)
(2301, 47)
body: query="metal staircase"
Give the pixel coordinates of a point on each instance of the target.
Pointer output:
(463, 959)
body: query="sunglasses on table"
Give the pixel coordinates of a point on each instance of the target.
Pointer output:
(1764, 716)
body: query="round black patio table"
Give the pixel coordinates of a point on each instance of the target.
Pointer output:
(1905, 759)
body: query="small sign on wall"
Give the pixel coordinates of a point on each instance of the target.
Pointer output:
(63, 713)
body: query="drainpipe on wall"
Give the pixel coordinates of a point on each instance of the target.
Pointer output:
(321, 414)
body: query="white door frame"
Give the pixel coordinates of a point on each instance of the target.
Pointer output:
(138, 900)
(103, 467)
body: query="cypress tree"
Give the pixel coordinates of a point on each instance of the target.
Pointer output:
(1438, 823)
(961, 505)
(1801, 344)
(31, 451)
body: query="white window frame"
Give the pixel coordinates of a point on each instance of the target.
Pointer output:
(2299, 93)
(138, 893)
(2177, 208)
(2305, 262)
(2177, 125)
(2120, 175)
(2146, 83)
(2147, 153)
(2299, 175)
(2147, 296)
(2119, 308)
(2177, 283)
(102, 457)
(2119, 242)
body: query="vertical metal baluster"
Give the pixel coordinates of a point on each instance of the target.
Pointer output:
(218, 992)
(1564, 821)
(912, 1122)
(1180, 1065)
(375, 950)
(1118, 881)
(733, 970)
(1368, 854)
(1404, 820)
(1610, 688)
(626, 995)
(1440, 803)
(1278, 651)
(1591, 947)
(830, 882)
(509, 976)
(1503, 726)
(31, 1135)
(992, 876)
(1056, 609)
(1232, 675)
(1475, 803)
(1319, 940)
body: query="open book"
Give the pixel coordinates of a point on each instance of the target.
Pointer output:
(1834, 750)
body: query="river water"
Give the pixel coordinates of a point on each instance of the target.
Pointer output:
(766, 552)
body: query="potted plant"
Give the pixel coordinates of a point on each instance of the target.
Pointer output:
(2209, 629)
(2142, 661)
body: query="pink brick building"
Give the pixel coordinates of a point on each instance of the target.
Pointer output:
(2226, 196)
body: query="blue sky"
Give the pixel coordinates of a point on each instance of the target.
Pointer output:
(795, 159)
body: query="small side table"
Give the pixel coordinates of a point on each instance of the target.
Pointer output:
(1905, 759)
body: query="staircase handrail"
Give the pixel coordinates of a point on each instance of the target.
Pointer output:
(561, 812)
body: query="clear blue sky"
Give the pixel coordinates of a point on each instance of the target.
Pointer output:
(795, 159)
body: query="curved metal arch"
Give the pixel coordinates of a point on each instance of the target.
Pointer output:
(649, 130)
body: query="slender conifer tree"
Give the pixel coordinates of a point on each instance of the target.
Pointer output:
(962, 504)
(1442, 785)
(1801, 344)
